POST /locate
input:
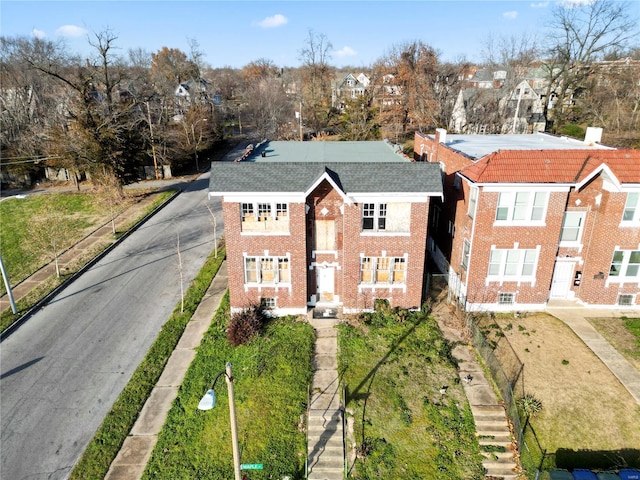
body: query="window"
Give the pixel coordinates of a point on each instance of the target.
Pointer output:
(374, 218)
(632, 208)
(247, 212)
(521, 206)
(466, 248)
(506, 298)
(366, 270)
(473, 200)
(251, 270)
(572, 224)
(264, 211)
(268, 302)
(625, 299)
(264, 217)
(383, 270)
(267, 270)
(284, 273)
(282, 210)
(512, 264)
(625, 265)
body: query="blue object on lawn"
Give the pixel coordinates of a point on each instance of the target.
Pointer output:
(560, 475)
(584, 474)
(629, 474)
(608, 476)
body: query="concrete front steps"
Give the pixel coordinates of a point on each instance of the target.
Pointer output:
(493, 433)
(325, 432)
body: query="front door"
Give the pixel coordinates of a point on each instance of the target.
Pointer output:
(561, 282)
(326, 283)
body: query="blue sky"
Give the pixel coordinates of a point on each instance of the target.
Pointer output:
(234, 33)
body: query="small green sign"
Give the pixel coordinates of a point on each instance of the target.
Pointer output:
(251, 466)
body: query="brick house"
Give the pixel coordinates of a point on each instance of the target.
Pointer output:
(325, 224)
(528, 219)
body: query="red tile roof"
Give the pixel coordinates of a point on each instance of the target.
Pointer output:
(553, 166)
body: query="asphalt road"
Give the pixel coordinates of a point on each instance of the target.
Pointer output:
(62, 370)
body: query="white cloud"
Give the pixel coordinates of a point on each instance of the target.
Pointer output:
(38, 33)
(540, 5)
(273, 21)
(510, 15)
(346, 52)
(71, 31)
(575, 3)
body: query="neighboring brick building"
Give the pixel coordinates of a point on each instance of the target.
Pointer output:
(325, 224)
(531, 218)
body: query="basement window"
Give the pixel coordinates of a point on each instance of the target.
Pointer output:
(506, 298)
(625, 299)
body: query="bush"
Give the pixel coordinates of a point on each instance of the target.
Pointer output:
(245, 325)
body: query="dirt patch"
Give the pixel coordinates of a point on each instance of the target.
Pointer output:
(584, 405)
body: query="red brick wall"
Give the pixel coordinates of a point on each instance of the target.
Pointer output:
(394, 246)
(601, 234)
(277, 245)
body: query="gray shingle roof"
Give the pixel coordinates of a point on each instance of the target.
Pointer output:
(298, 177)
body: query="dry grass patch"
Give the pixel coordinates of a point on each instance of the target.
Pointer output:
(618, 335)
(584, 406)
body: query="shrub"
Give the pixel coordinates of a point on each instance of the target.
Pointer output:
(245, 325)
(530, 405)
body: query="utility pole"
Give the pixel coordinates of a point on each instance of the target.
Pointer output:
(301, 136)
(7, 286)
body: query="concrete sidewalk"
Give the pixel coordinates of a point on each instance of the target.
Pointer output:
(132, 459)
(576, 318)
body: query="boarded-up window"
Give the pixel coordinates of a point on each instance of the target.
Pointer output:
(398, 217)
(251, 270)
(284, 273)
(268, 270)
(382, 270)
(325, 235)
(399, 270)
(366, 270)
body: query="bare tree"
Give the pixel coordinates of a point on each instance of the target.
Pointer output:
(581, 33)
(269, 108)
(316, 76)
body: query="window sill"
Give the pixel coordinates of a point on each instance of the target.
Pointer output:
(508, 223)
(384, 234)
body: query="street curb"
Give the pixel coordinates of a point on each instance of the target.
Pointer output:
(43, 301)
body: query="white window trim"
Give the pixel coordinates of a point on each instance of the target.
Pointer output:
(578, 242)
(383, 286)
(376, 218)
(635, 221)
(259, 284)
(501, 278)
(510, 222)
(633, 299)
(466, 247)
(473, 201)
(619, 279)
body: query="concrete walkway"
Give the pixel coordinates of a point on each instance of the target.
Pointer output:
(325, 431)
(489, 415)
(132, 459)
(576, 318)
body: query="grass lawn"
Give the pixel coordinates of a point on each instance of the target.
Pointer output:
(584, 407)
(393, 369)
(271, 377)
(623, 333)
(81, 213)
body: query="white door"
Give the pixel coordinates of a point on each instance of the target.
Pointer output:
(326, 283)
(561, 282)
